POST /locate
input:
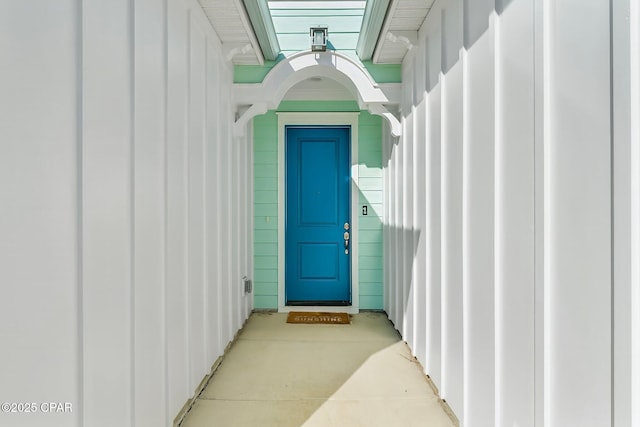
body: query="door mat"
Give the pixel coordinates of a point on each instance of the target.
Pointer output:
(318, 318)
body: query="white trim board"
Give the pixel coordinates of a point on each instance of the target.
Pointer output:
(324, 119)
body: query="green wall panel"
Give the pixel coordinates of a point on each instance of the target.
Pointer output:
(266, 197)
(264, 276)
(381, 73)
(370, 222)
(370, 249)
(253, 73)
(320, 106)
(269, 210)
(263, 171)
(267, 158)
(384, 73)
(267, 249)
(366, 171)
(265, 301)
(369, 302)
(370, 262)
(372, 198)
(374, 275)
(265, 155)
(265, 261)
(266, 184)
(265, 222)
(265, 236)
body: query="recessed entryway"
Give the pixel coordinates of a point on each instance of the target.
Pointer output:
(318, 176)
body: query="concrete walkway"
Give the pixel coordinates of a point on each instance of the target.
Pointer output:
(279, 374)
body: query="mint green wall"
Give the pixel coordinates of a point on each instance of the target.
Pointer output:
(265, 147)
(381, 73)
(266, 203)
(370, 226)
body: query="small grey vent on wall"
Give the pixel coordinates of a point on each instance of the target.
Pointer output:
(247, 284)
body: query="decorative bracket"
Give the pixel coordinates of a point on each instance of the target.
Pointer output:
(240, 126)
(394, 123)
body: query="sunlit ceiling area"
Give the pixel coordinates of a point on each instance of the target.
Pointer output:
(293, 19)
(255, 31)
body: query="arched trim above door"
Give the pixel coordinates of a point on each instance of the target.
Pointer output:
(304, 65)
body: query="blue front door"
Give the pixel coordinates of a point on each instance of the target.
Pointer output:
(317, 250)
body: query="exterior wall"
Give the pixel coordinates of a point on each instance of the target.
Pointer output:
(125, 209)
(510, 298)
(265, 129)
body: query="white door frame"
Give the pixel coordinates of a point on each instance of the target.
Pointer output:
(322, 119)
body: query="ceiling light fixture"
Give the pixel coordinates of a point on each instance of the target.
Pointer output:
(318, 38)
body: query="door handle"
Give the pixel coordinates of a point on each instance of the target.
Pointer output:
(346, 242)
(346, 238)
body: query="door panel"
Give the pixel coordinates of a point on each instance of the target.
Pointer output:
(317, 269)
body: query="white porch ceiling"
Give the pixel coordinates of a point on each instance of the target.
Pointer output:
(230, 20)
(400, 29)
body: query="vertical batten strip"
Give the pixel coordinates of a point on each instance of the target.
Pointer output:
(168, 414)
(408, 258)
(79, 208)
(106, 175)
(634, 53)
(187, 205)
(177, 58)
(393, 209)
(388, 220)
(580, 221)
(399, 309)
(547, 28)
(432, 233)
(148, 201)
(539, 183)
(479, 222)
(237, 274)
(466, 320)
(419, 210)
(132, 201)
(499, 226)
(444, 246)
(452, 78)
(623, 336)
(222, 303)
(213, 217)
(206, 284)
(514, 215)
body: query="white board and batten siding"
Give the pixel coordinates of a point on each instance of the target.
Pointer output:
(125, 202)
(505, 215)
